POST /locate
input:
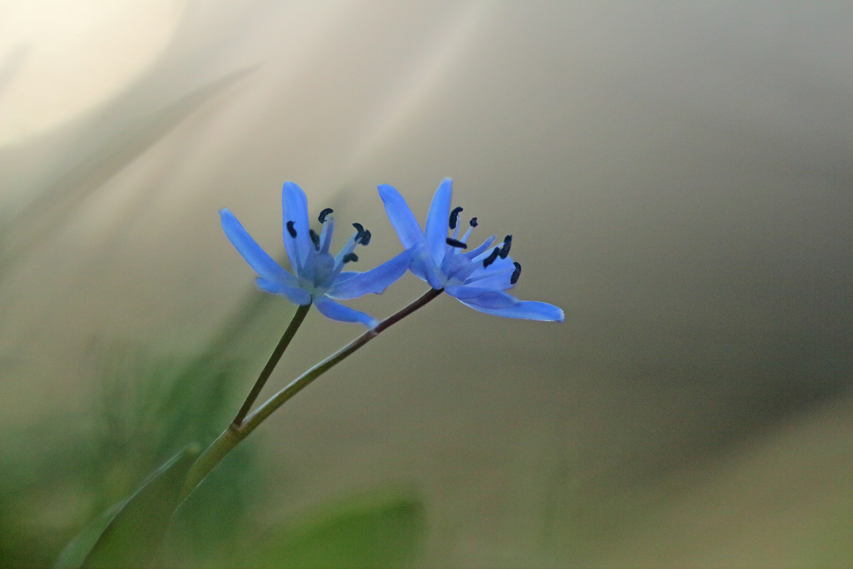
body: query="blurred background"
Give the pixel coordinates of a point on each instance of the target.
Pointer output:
(677, 177)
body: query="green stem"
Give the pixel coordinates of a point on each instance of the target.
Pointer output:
(235, 433)
(273, 361)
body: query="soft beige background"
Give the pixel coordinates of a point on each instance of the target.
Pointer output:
(677, 177)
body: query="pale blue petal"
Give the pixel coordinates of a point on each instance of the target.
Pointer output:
(344, 275)
(502, 304)
(401, 217)
(331, 309)
(257, 258)
(525, 309)
(467, 292)
(478, 250)
(499, 266)
(499, 280)
(294, 207)
(374, 281)
(423, 268)
(295, 294)
(437, 221)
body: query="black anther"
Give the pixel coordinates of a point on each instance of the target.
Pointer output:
(491, 258)
(360, 229)
(473, 222)
(507, 244)
(350, 257)
(324, 213)
(455, 243)
(454, 217)
(291, 229)
(365, 239)
(515, 274)
(315, 239)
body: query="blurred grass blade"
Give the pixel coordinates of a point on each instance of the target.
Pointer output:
(384, 532)
(105, 152)
(129, 533)
(74, 554)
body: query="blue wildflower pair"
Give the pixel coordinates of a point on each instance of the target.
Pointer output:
(478, 278)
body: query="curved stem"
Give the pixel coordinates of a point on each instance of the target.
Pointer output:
(273, 361)
(237, 432)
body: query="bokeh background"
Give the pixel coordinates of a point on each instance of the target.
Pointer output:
(678, 178)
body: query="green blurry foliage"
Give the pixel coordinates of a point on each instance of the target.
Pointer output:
(63, 474)
(375, 531)
(129, 534)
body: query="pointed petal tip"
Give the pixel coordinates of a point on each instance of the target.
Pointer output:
(374, 281)
(336, 311)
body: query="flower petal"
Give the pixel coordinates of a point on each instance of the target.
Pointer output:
(437, 221)
(331, 309)
(495, 276)
(296, 295)
(499, 280)
(502, 304)
(344, 275)
(478, 250)
(401, 217)
(374, 281)
(257, 258)
(294, 207)
(423, 267)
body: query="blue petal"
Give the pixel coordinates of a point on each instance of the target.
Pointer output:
(477, 250)
(374, 281)
(296, 295)
(344, 275)
(331, 309)
(437, 221)
(294, 207)
(401, 217)
(470, 293)
(257, 258)
(500, 280)
(495, 276)
(423, 268)
(502, 304)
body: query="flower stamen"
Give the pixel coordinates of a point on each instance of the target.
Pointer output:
(455, 243)
(505, 248)
(291, 230)
(492, 257)
(324, 213)
(350, 257)
(454, 217)
(516, 273)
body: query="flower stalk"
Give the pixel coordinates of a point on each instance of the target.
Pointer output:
(301, 312)
(237, 431)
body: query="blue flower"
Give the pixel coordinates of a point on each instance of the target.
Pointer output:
(319, 276)
(477, 278)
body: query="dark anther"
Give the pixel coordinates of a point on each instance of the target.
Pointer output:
(365, 239)
(291, 229)
(473, 222)
(315, 239)
(455, 243)
(454, 217)
(515, 274)
(507, 244)
(324, 213)
(350, 257)
(360, 229)
(491, 258)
